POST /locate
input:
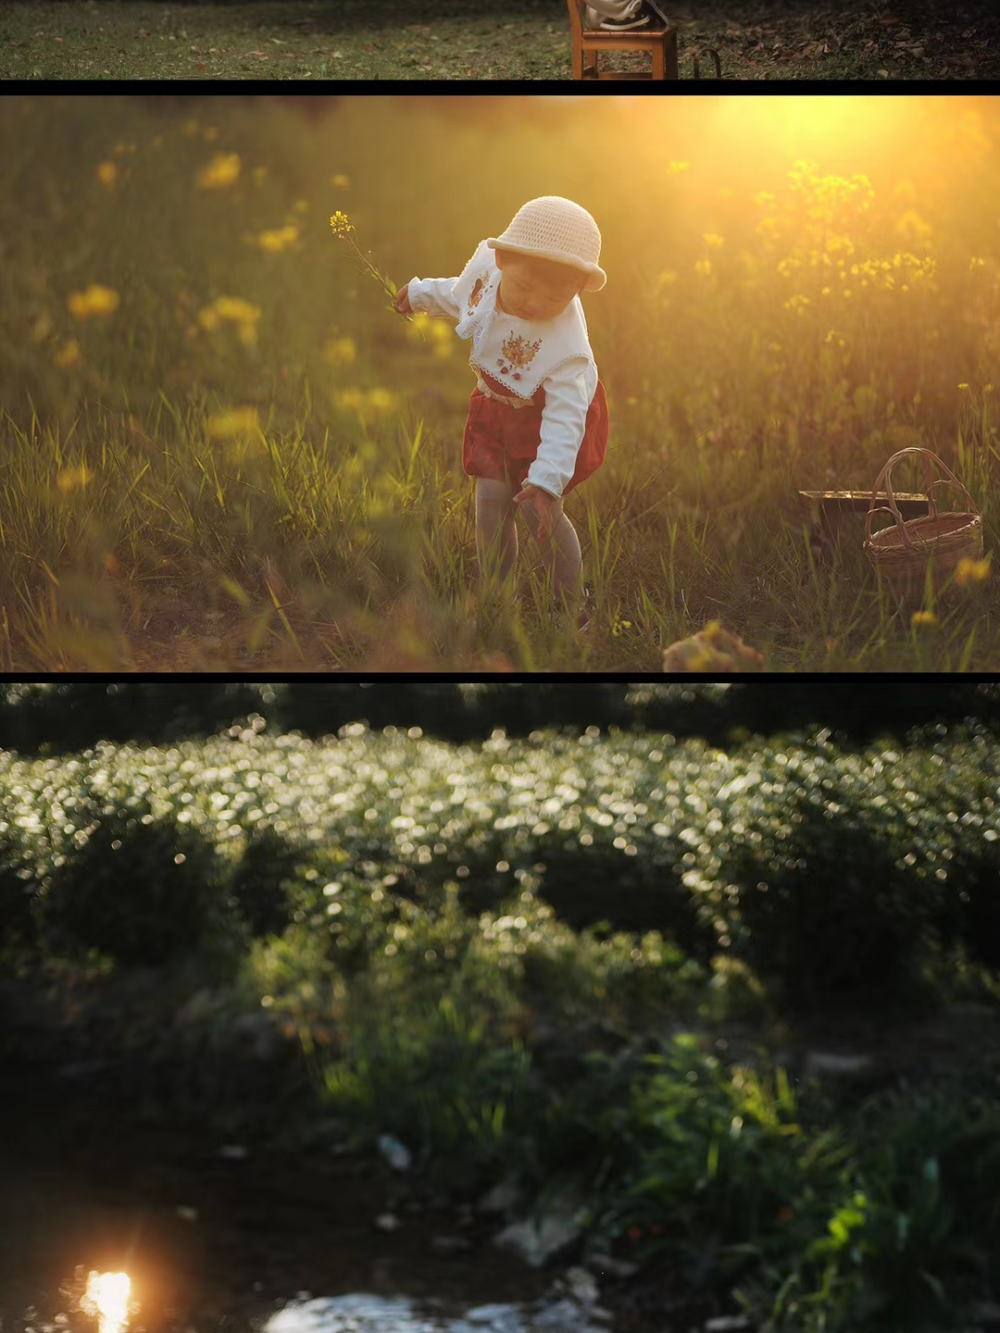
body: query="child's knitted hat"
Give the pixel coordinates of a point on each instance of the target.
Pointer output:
(557, 229)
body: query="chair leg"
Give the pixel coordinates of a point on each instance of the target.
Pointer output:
(659, 68)
(672, 72)
(578, 64)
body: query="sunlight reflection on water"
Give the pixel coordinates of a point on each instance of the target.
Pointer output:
(107, 1297)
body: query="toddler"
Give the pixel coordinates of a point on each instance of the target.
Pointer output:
(538, 417)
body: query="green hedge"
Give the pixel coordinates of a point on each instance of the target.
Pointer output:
(868, 856)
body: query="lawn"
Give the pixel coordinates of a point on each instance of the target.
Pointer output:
(523, 39)
(221, 451)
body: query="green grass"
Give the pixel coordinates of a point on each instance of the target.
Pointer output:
(768, 327)
(274, 39)
(526, 39)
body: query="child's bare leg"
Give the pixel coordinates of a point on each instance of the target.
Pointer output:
(496, 535)
(561, 553)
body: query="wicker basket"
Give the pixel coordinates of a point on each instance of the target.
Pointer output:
(902, 552)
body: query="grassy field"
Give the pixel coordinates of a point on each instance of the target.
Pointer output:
(522, 39)
(220, 451)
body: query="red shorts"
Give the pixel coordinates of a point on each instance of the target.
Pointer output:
(501, 442)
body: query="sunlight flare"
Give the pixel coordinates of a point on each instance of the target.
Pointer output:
(107, 1297)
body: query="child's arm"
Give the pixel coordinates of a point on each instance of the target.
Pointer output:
(568, 393)
(432, 296)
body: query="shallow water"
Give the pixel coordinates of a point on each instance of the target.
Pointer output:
(217, 1240)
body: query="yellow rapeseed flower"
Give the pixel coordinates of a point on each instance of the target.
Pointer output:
(74, 478)
(69, 355)
(913, 228)
(341, 351)
(341, 225)
(341, 182)
(677, 167)
(713, 241)
(923, 618)
(703, 267)
(234, 308)
(381, 400)
(972, 571)
(221, 172)
(283, 238)
(96, 300)
(350, 400)
(228, 425)
(963, 386)
(107, 173)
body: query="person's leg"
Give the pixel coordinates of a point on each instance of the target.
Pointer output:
(561, 554)
(496, 534)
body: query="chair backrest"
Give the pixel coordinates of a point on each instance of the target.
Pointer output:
(576, 17)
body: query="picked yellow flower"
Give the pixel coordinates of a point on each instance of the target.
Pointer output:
(74, 478)
(972, 571)
(107, 173)
(236, 422)
(341, 224)
(223, 171)
(95, 300)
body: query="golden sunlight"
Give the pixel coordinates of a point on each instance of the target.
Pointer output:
(107, 1297)
(818, 124)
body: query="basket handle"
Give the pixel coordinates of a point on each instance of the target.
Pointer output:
(709, 50)
(886, 476)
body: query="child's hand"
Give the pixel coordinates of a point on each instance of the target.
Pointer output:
(403, 300)
(547, 508)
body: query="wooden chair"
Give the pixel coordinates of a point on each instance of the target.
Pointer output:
(661, 43)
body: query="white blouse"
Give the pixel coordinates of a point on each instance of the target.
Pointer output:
(527, 354)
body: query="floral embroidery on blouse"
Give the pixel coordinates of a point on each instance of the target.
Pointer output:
(477, 292)
(516, 353)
